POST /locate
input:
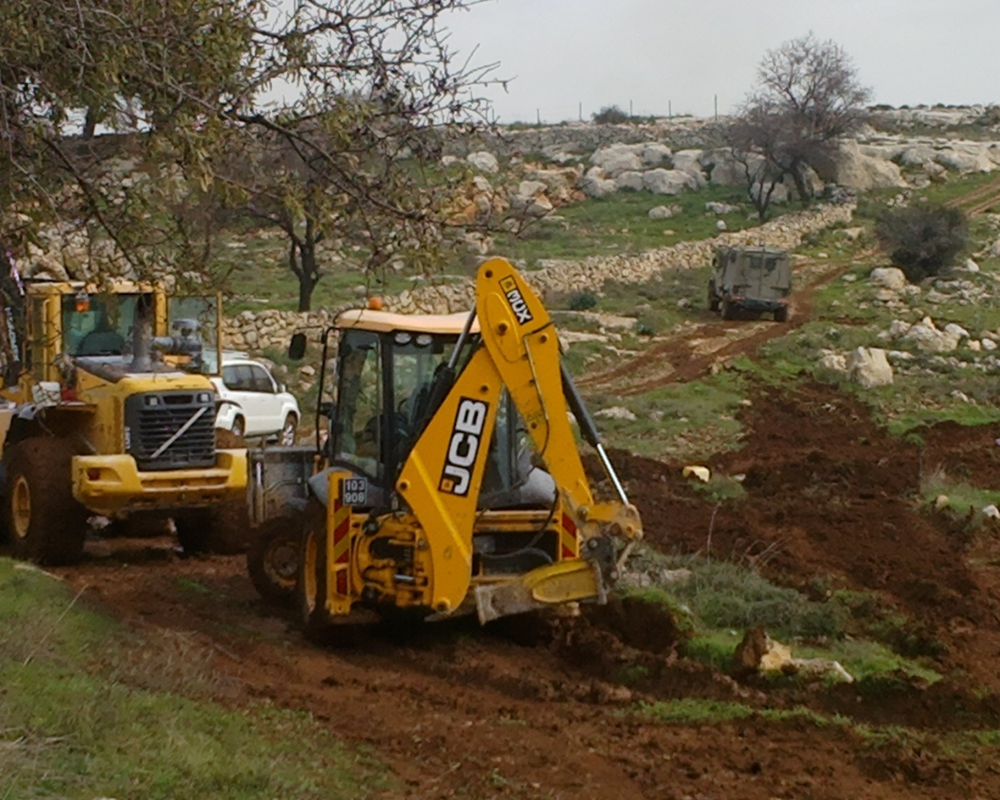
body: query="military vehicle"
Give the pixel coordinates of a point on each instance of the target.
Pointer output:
(750, 281)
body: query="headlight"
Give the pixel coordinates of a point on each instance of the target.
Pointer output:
(152, 400)
(205, 397)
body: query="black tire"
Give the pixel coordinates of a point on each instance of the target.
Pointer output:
(713, 298)
(46, 523)
(273, 558)
(728, 310)
(310, 584)
(223, 529)
(781, 315)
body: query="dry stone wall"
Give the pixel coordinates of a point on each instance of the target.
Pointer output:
(271, 329)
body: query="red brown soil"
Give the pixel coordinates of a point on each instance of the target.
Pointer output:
(829, 495)
(456, 711)
(678, 358)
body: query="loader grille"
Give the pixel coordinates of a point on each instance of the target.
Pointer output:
(171, 430)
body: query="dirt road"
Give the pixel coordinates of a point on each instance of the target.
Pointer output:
(691, 351)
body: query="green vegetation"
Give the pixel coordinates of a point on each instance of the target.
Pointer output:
(619, 223)
(678, 419)
(923, 240)
(88, 711)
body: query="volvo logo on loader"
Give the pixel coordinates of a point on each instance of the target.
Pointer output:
(463, 447)
(516, 300)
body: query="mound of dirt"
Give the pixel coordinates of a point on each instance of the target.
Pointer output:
(828, 494)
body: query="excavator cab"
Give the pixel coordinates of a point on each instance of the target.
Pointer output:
(382, 398)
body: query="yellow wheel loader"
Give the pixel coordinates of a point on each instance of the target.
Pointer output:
(109, 412)
(451, 477)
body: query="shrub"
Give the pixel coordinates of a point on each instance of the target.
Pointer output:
(923, 241)
(610, 115)
(582, 301)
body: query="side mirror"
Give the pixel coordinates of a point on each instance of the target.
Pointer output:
(297, 347)
(282, 388)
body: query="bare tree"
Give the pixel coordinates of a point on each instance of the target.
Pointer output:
(807, 97)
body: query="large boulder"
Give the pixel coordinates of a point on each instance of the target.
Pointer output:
(917, 155)
(654, 154)
(484, 162)
(618, 158)
(668, 181)
(869, 367)
(926, 337)
(631, 180)
(689, 161)
(855, 170)
(965, 161)
(596, 184)
(888, 278)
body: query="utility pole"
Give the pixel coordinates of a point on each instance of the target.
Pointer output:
(581, 111)
(538, 115)
(717, 108)
(670, 110)
(630, 109)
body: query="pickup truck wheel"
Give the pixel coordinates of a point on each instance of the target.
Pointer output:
(781, 315)
(273, 558)
(287, 437)
(728, 310)
(45, 522)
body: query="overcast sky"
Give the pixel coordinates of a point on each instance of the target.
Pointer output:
(603, 52)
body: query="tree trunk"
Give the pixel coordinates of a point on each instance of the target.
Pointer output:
(800, 183)
(308, 274)
(90, 124)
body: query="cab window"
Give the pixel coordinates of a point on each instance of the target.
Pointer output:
(100, 324)
(357, 434)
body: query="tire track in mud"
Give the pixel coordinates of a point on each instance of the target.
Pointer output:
(692, 351)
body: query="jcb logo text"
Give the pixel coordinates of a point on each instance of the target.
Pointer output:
(516, 300)
(466, 437)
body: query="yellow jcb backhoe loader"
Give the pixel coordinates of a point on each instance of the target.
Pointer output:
(109, 412)
(451, 479)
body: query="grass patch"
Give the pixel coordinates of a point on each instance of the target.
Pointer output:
(679, 420)
(76, 721)
(727, 596)
(619, 223)
(696, 711)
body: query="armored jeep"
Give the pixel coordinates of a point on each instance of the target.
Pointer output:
(750, 280)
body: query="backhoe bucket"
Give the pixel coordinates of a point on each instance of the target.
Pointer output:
(551, 585)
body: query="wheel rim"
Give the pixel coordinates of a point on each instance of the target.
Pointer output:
(310, 556)
(282, 563)
(288, 433)
(20, 506)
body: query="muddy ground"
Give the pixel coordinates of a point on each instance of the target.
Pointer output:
(539, 711)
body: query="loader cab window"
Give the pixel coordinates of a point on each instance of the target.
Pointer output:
(101, 324)
(205, 311)
(416, 359)
(358, 430)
